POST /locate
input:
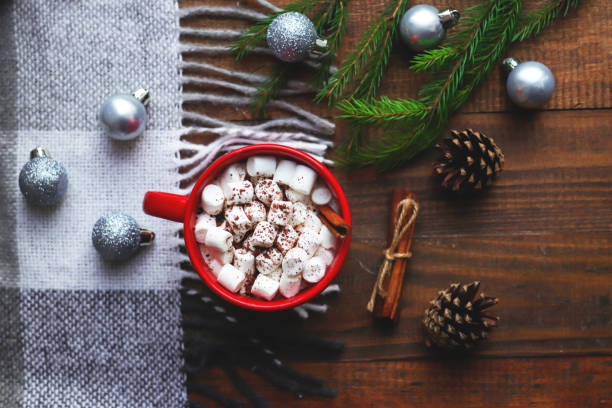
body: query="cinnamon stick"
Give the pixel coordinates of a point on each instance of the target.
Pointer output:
(387, 307)
(334, 221)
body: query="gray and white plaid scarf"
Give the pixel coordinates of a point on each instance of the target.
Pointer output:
(75, 331)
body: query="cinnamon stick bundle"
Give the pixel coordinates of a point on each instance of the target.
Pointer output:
(387, 291)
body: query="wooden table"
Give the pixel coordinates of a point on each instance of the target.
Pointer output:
(540, 240)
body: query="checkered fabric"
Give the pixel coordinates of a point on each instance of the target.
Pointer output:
(76, 331)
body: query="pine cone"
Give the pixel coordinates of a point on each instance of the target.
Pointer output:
(469, 161)
(456, 318)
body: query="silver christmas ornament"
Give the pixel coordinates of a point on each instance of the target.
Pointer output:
(423, 27)
(292, 36)
(43, 180)
(530, 84)
(123, 116)
(117, 236)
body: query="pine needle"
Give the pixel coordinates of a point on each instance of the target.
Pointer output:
(331, 26)
(534, 22)
(433, 61)
(384, 111)
(369, 60)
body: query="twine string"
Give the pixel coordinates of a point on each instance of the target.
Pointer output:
(400, 229)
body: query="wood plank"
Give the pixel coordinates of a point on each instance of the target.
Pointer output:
(540, 239)
(574, 48)
(554, 290)
(534, 382)
(556, 178)
(554, 293)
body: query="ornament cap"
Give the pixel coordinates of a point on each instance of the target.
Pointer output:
(146, 237)
(143, 95)
(39, 151)
(510, 63)
(320, 48)
(321, 44)
(449, 17)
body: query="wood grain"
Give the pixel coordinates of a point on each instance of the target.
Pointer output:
(575, 48)
(556, 178)
(525, 382)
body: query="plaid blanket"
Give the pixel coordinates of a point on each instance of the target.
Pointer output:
(75, 331)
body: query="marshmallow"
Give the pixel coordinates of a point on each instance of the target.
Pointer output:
(234, 173)
(265, 287)
(215, 265)
(309, 242)
(231, 278)
(314, 270)
(218, 238)
(300, 212)
(268, 261)
(320, 194)
(203, 223)
(267, 191)
(312, 223)
(280, 212)
(293, 262)
(264, 235)
(296, 197)
(303, 179)
(286, 239)
(238, 193)
(261, 166)
(212, 199)
(275, 274)
(238, 222)
(288, 286)
(325, 254)
(211, 259)
(244, 261)
(328, 240)
(256, 212)
(284, 172)
(224, 257)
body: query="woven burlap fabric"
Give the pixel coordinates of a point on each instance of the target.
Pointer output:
(76, 331)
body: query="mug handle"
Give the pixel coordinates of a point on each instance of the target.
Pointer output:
(165, 205)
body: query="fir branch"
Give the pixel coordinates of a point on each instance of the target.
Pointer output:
(383, 111)
(269, 89)
(435, 60)
(485, 34)
(534, 22)
(332, 27)
(252, 37)
(369, 60)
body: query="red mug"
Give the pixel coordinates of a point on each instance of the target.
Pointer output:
(184, 209)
